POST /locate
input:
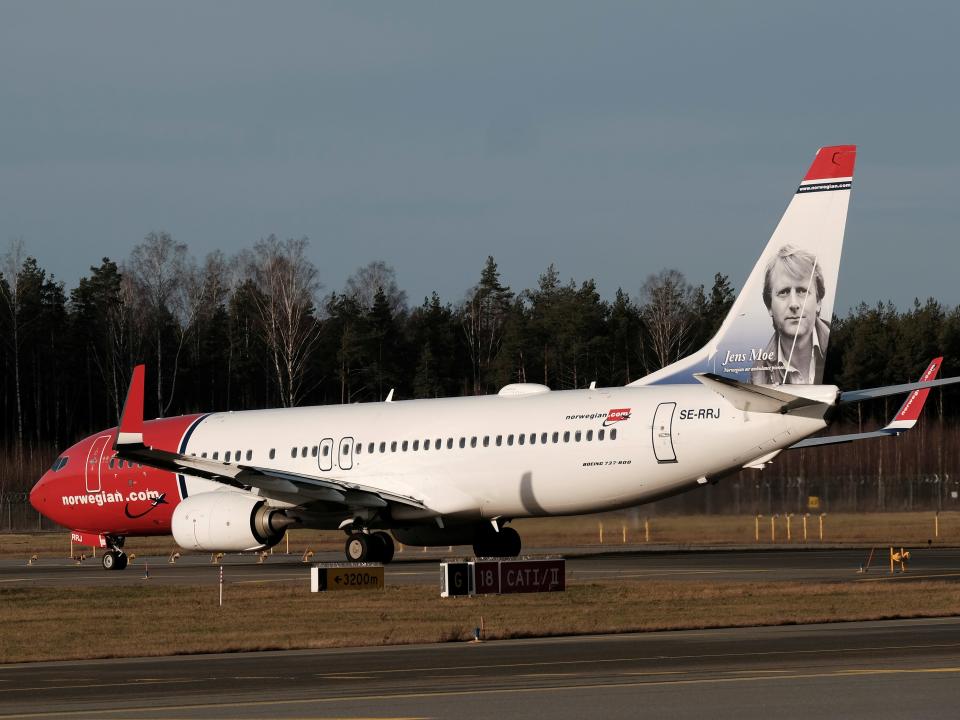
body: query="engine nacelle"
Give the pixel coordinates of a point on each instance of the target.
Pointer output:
(227, 521)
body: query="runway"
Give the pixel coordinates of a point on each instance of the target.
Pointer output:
(838, 565)
(873, 670)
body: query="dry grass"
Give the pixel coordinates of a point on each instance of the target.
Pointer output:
(690, 531)
(49, 623)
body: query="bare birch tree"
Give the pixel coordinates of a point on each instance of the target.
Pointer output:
(288, 284)
(161, 269)
(362, 286)
(667, 318)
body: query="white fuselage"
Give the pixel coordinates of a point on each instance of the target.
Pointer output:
(656, 441)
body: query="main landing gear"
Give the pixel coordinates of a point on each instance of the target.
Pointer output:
(114, 558)
(369, 547)
(490, 543)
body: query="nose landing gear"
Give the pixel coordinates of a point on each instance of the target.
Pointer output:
(114, 558)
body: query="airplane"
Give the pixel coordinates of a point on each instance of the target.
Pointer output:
(457, 471)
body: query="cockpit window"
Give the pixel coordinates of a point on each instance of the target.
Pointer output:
(59, 463)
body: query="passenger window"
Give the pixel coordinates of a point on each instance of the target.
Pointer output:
(293, 453)
(589, 435)
(449, 443)
(303, 451)
(416, 444)
(499, 440)
(405, 445)
(486, 441)
(216, 455)
(543, 438)
(613, 434)
(226, 456)
(521, 438)
(326, 450)
(473, 442)
(436, 444)
(359, 448)
(370, 448)
(600, 434)
(57, 467)
(203, 454)
(556, 437)
(249, 454)
(393, 446)
(533, 438)
(566, 436)
(313, 451)
(383, 447)
(237, 455)
(463, 443)
(510, 439)
(273, 453)
(577, 436)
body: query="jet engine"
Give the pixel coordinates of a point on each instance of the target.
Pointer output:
(227, 521)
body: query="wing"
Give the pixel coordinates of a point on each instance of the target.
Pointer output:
(906, 416)
(279, 484)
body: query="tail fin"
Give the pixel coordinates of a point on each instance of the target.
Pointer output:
(779, 326)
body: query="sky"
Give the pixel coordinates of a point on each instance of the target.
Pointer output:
(613, 139)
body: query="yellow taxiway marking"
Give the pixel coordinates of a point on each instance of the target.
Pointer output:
(400, 696)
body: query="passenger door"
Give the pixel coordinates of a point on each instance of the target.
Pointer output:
(663, 433)
(345, 454)
(91, 471)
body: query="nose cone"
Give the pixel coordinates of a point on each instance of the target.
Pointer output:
(38, 495)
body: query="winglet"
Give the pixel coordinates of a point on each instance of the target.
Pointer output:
(131, 422)
(909, 412)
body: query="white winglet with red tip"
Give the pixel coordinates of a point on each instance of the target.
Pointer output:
(909, 412)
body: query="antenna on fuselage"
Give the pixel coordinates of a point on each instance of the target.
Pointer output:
(389, 396)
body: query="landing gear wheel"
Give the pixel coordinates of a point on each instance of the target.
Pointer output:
(386, 547)
(510, 542)
(358, 547)
(121, 561)
(113, 560)
(505, 543)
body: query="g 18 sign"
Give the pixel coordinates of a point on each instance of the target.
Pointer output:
(494, 577)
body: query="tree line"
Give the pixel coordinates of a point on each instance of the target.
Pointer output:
(262, 328)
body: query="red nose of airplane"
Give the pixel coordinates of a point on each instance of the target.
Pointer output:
(38, 495)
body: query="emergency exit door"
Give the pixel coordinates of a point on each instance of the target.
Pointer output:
(663, 433)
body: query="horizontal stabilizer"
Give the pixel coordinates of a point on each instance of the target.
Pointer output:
(854, 396)
(754, 398)
(906, 416)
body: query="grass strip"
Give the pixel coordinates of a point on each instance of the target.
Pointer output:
(83, 623)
